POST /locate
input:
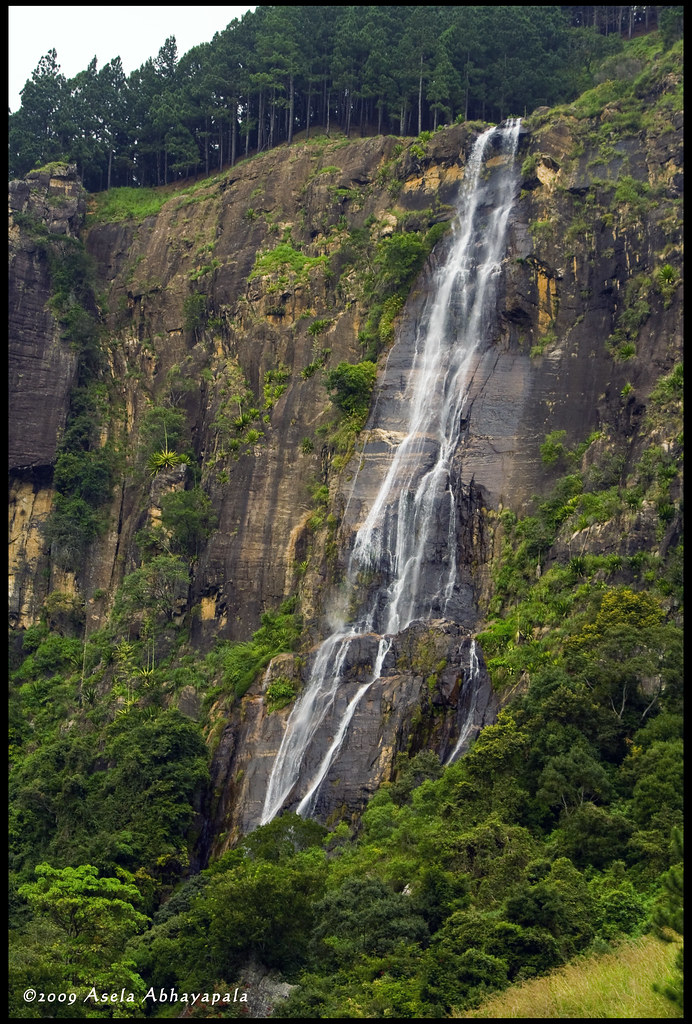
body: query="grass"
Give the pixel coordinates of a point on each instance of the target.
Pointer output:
(120, 204)
(617, 984)
(285, 258)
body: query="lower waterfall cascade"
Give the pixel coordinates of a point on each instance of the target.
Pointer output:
(407, 542)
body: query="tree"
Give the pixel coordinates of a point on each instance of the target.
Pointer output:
(281, 838)
(163, 428)
(38, 130)
(442, 91)
(592, 835)
(166, 61)
(457, 967)
(573, 777)
(99, 911)
(670, 24)
(77, 939)
(668, 916)
(157, 587)
(364, 916)
(422, 31)
(114, 104)
(560, 903)
(257, 909)
(624, 645)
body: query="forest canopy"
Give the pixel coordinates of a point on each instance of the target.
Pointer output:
(284, 70)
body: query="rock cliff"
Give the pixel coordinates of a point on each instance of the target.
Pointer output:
(229, 303)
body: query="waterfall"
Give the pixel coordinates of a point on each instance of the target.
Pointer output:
(408, 539)
(469, 727)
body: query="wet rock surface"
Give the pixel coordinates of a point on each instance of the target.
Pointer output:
(433, 684)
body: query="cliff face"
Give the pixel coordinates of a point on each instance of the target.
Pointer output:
(42, 370)
(279, 319)
(195, 321)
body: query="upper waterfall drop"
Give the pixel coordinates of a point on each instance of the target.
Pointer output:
(408, 538)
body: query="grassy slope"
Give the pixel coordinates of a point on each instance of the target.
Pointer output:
(617, 984)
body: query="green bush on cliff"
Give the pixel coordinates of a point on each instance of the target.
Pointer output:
(350, 386)
(195, 311)
(163, 429)
(394, 265)
(280, 694)
(190, 518)
(242, 662)
(156, 587)
(72, 525)
(284, 259)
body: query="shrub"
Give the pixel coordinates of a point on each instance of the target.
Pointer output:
(163, 430)
(279, 694)
(319, 326)
(155, 586)
(399, 258)
(285, 257)
(195, 311)
(87, 475)
(71, 527)
(552, 448)
(350, 386)
(242, 662)
(190, 517)
(166, 459)
(56, 654)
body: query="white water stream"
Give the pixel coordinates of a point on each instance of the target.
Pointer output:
(469, 726)
(408, 539)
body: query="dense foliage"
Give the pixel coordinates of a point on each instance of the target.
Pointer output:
(281, 70)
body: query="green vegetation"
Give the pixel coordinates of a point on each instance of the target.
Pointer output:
(275, 383)
(83, 922)
(404, 75)
(126, 204)
(350, 387)
(242, 662)
(617, 984)
(128, 816)
(85, 468)
(166, 459)
(154, 589)
(621, 342)
(237, 416)
(190, 519)
(396, 262)
(667, 281)
(279, 694)
(195, 312)
(284, 259)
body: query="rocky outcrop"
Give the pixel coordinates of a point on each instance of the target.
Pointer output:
(433, 686)
(41, 365)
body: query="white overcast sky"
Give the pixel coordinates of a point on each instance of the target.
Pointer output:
(80, 33)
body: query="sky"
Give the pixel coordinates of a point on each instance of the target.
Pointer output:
(79, 33)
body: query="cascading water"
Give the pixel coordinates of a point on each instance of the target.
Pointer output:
(408, 539)
(469, 727)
